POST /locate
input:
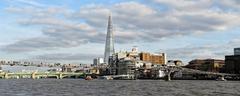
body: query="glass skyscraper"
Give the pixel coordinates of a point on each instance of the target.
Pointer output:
(109, 45)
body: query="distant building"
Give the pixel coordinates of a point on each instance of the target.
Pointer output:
(125, 63)
(126, 67)
(98, 61)
(174, 63)
(121, 55)
(211, 65)
(232, 62)
(236, 51)
(153, 58)
(178, 62)
(2, 62)
(145, 57)
(67, 68)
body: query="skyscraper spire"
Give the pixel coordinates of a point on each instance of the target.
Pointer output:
(109, 45)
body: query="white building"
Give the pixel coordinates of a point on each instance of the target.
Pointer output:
(98, 61)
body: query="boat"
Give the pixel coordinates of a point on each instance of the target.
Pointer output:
(106, 77)
(221, 79)
(88, 78)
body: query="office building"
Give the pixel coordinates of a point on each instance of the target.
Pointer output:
(232, 62)
(109, 45)
(97, 61)
(153, 58)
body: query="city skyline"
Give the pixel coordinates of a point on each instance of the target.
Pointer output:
(75, 31)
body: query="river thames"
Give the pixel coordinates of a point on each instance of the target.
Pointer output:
(76, 87)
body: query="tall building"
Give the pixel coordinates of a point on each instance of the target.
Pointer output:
(109, 45)
(97, 61)
(232, 62)
(236, 51)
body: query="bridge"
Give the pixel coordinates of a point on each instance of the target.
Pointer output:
(168, 70)
(38, 75)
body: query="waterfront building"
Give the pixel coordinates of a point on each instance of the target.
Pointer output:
(143, 64)
(233, 62)
(211, 65)
(153, 58)
(145, 56)
(109, 45)
(126, 63)
(156, 73)
(126, 67)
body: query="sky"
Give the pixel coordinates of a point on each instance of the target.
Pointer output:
(74, 31)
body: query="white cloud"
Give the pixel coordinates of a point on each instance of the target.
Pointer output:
(206, 51)
(133, 21)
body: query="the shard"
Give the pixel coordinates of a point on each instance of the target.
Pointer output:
(109, 45)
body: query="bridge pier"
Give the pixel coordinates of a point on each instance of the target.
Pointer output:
(6, 76)
(76, 76)
(168, 77)
(33, 75)
(60, 76)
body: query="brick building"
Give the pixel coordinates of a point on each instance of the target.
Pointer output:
(153, 58)
(211, 65)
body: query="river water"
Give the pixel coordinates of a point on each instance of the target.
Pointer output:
(77, 87)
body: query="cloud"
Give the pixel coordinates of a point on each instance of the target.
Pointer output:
(229, 5)
(31, 2)
(215, 51)
(26, 3)
(41, 43)
(133, 22)
(186, 5)
(36, 12)
(157, 24)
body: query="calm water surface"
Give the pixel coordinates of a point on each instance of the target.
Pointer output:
(76, 87)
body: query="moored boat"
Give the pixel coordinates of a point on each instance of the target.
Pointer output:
(88, 78)
(221, 79)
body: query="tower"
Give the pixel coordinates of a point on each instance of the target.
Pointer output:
(109, 45)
